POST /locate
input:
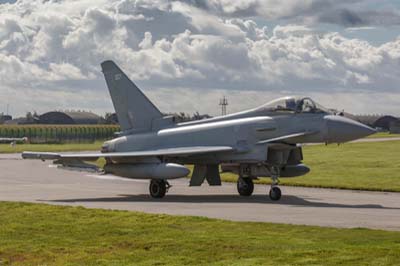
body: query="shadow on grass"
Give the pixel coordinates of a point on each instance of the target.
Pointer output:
(257, 199)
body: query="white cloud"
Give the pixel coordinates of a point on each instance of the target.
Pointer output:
(355, 13)
(54, 48)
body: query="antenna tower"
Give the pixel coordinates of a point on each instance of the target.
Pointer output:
(223, 103)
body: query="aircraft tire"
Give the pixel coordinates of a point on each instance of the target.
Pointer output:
(275, 193)
(245, 186)
(157, 188)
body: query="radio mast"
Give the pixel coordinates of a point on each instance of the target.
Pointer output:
(223, 103)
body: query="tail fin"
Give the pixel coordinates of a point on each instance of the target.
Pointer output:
(134, 110)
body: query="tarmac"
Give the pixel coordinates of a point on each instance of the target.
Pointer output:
(42, 182)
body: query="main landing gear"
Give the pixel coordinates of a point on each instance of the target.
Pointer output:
(158, 188)
(245, 185)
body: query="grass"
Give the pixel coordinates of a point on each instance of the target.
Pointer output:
(366, 166)
(7, 148)
(383, 135)
(38, 234)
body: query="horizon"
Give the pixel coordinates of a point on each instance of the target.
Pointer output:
(172, 113)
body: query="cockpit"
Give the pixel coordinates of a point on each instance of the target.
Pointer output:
(294, 104)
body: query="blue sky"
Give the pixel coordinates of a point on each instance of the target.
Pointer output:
(186, 54)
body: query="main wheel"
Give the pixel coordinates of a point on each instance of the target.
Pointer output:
(275, 193)
(245, 186)
(158, 188)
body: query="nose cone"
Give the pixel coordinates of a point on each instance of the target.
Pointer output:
(341, 129)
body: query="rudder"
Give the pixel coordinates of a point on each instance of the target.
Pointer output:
(134, 110)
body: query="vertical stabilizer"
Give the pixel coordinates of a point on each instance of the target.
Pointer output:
(134, 110)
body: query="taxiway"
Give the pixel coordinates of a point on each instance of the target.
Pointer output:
(41, 182)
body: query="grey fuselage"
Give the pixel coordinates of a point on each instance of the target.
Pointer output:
(243, 131)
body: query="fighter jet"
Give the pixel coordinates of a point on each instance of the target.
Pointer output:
(261, 142)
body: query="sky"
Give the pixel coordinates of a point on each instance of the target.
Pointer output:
(186, 55)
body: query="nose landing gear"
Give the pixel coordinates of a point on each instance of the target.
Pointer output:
(275, 193)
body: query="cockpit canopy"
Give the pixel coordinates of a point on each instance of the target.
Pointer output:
(295, 104)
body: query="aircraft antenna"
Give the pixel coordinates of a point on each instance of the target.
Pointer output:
(223, 103)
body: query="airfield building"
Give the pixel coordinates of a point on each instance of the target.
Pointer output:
(395, 127)
(4, 118)
(382, 122)
(69, 118)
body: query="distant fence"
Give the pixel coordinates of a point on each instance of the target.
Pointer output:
(59, 133)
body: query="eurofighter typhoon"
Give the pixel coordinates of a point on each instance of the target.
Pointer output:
(260, 142)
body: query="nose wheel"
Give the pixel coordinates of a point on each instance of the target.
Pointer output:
(275, 193)
(158, 188)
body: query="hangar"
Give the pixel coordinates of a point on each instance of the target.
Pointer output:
(376, 121)
(395, 127)
(69, 118)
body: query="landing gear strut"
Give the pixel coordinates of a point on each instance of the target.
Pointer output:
(158, 188)
(275, 192)
(245, 186)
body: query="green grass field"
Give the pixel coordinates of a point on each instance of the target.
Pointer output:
(383, 135)
(37, 234)
(367, 166)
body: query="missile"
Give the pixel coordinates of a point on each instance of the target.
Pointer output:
(148, 170)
